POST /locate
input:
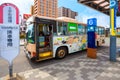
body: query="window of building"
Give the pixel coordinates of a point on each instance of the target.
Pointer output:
(41, 1)
(24, 28)
(20, 29)
(53, 12)
(47, 8)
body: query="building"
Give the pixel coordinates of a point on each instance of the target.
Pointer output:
(46, 8)
(66, 12)
(23, 26)
(32, 10)
(26, 16)
(23, 23)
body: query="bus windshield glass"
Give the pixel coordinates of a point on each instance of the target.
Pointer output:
(30, 33)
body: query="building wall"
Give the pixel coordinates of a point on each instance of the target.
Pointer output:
(32, 10)
(66, 12)
(23, 26)
(46, 8)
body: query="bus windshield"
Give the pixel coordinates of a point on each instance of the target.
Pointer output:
(30, 33)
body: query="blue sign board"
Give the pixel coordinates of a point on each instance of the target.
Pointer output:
(91, 23)
(113, 13)
(113, 3)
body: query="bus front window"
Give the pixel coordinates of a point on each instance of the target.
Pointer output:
(30, 33)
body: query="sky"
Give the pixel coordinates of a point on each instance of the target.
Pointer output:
(83, 11)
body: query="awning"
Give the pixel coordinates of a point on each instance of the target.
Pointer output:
(100, 5)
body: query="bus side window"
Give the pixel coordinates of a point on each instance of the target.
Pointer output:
(62, 28)
(81, 30)
(102, 31)
(96, 30)
(99, 31)
(85, 29)
(64, 31)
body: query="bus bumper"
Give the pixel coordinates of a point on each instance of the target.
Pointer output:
(27, 54)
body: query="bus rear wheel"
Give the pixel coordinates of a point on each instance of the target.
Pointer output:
(61, 53)
(97, 44)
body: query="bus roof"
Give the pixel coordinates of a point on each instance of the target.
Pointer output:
(45, 17)
(65, 19)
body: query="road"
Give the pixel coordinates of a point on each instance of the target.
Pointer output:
(21, 63)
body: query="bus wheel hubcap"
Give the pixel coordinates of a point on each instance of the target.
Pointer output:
(61, 53)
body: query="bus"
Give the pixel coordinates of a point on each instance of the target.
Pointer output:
(118, 32)
(57, 37)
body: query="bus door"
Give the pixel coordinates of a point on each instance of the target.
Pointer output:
(45, 40)
(45, 34)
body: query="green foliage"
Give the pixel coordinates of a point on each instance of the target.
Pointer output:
(22, 36)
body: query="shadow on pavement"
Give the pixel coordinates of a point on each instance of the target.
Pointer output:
(102, 51)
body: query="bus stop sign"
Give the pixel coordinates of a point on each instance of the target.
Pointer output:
(91, 25)
(9, 31)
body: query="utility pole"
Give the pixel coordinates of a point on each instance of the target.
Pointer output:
(113, 13)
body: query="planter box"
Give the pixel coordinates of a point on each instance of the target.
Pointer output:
(92, 53)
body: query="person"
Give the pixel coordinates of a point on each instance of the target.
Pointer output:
(41, 33)
(63, 32)
(41, 39)
(50, 30)
(49, 37)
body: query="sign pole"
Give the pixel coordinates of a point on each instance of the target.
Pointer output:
(113, 11)
(11, 70)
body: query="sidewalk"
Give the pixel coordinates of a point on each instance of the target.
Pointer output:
(80, 68)
(35, 74)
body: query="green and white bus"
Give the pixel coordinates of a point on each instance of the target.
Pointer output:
(57, 37)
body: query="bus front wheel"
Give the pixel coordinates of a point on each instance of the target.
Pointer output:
(61, 53)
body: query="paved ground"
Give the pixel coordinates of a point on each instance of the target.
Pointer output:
(74, 67)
